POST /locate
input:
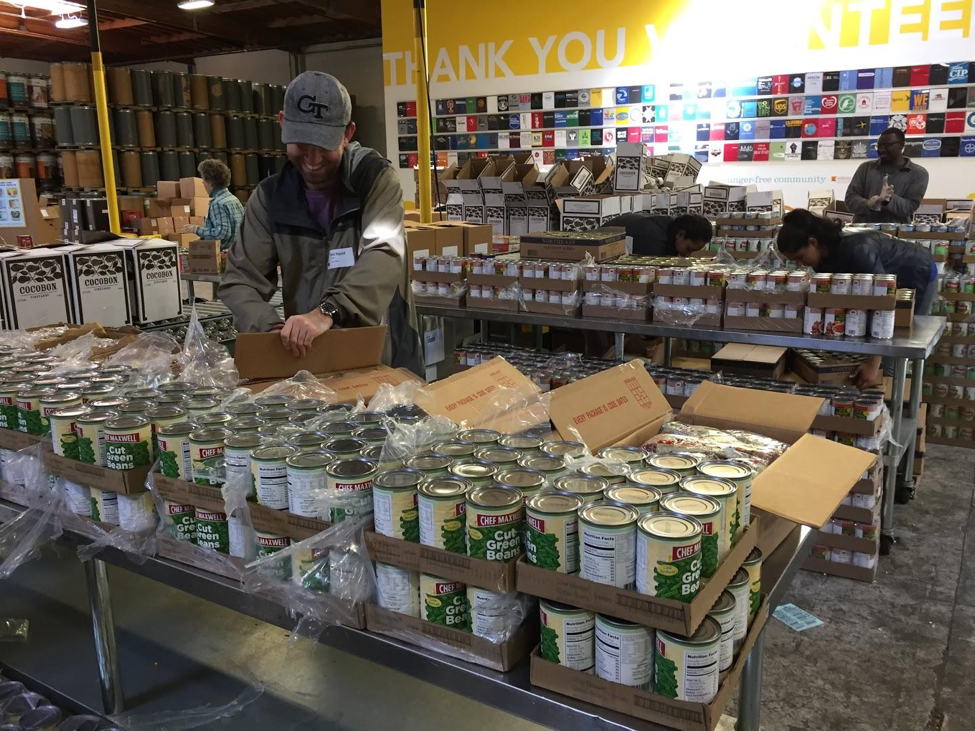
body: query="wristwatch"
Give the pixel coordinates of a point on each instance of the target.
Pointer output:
(330, 310)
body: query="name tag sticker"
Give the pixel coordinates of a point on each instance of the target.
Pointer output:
(339, 258)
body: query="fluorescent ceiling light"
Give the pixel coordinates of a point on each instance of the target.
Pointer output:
(55, 7)
(71, 22)
(194, 4)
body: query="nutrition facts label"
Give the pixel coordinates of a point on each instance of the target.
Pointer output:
(272, 486)
(609, 558)
(305, 489)
(624, 656)
(399, 589)
(579, 647)
(700, 675)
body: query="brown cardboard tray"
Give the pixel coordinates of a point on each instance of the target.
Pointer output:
(860, 515)
(639, 289)
(765, 324)
(847, 571)
(847, 425)
(128, 482)
(550, 285)
(772, 298)
(849, 543)
(230, 567)
(853, 302)
(641, 315)
(492, 280)
(493, 304)
(673, 616)
(501, 656)
(426, 299)
(17, 440)
(667, 318)
(544, 308)
(687, 290)
(966, 443)
(490, 575)
(425, 276)
(643, 704)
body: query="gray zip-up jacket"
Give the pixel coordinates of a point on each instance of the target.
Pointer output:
(279, 229)
(910, 182)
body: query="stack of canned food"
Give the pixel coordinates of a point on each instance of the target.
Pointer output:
(707, 275)
(860, 559)
(766, 282)
(547, 370)
(838, 321)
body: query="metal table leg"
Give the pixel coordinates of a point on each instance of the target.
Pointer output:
(894, 454)
(103, 628)
(190, 291)
(906, 488)
(668, 352)
(618, 346)
(537, 337)
(750, 690)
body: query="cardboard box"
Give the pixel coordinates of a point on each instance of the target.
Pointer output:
(421, 242)
(846, 571)
(490, 575)
(229, 567)
(262, 355)
(631, 172)
(449, 239)
(587, 213)
(152, 268)
(167, 189)
(851, 301)
(607, 244)
(847, 425)
(96, 214)
(353, 384)
(159, 208)
(642, 704)
(128, 482)
(614, 313)
(205, 257)
(132, 209)
(501, 656)
(824, 367)
(750, 360)
(199, 206)
(181, 207)
(146, 226)
(99, 285)
(192, 188)
(17, 440)
(183, 241)
(197, 220)
(36, 288)
(165, 226)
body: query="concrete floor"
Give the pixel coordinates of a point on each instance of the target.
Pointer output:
(897, 655)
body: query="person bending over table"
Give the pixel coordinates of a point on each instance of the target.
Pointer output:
(664, 235)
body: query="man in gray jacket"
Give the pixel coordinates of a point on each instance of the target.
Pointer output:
(890, 188)
(333, 221)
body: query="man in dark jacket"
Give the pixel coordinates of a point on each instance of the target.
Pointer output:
(333, 221)
(890, 188)
(665, 235)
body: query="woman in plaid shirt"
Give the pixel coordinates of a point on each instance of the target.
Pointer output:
(225, 212)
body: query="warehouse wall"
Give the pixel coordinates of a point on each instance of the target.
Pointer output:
(264, 67)
(685, 41)
(24, 66)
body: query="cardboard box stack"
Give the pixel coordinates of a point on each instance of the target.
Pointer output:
(176, 204)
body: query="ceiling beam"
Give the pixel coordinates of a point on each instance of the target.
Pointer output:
(201, 22)
(299, 20)
(364, 12)
(242, 5)
(173, 38)
(119, 23)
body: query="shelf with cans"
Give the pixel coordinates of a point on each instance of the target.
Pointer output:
(746, 122)
(27, 145)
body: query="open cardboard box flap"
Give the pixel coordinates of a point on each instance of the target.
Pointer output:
(262, 355)
(782, 416)
(609, 407)
(492, 395)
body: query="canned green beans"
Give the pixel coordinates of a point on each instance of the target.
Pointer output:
(590, 489)
(269, 465)
(495, 517)
(644, 499)
(668, 557)
(624, 652)
(489, 612)
(479, 436)
(237, 450)
(104, 506)
(458, 450)
(128, 441)
(164, 416)
(55, 401)
(501, 456)
(663, 481)
(707, 512)
(442, 504)
(628, 455)
(90, 429)
(562, 449)
(608, 539)
(353, 478)
(567, 635)
(530, 482)
(477, 471)
(206, 454)
(522, 443)
(724, 613)
(311, 441)
(180, 521)
(552, 540)
(753, 565)
(431, 465)
(550, 466)
(741, 475)
(28, 400)
(307, 480)
(394, 500)
(687, 667)
(740, 587)
(175, 456)
(77, 498)
(613, 474)
(398, 590)
(63, 436)
(679, 462)
(212, 530)
(726, 494)
(443, 601)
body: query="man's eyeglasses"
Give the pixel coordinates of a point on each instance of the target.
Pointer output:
(885, 145)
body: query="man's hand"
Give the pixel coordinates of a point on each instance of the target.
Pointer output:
(874, 202)
(188, 229)
(300, 330)
(886, 193)
(868, 373)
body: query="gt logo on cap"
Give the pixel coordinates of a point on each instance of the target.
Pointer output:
(308, 105)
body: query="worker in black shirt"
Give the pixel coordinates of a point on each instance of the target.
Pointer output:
(664, 235)
(825, 246)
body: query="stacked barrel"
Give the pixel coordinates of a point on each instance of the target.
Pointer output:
(27, 148)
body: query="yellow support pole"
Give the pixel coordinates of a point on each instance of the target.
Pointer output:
(422, 109)
(104, 130)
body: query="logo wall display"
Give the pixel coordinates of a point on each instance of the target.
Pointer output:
(916, 124)
(859, 150)
(970, 122)
(864, 102)
(847, 104)
(811, 105)
(967, 147)
(931, 147)
(829, 103)
(796, 105)
(780, 107)
(958, 73)
(622, 95)
(899, 121)
(763, 108)
(733, 110)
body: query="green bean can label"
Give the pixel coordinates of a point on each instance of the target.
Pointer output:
(687, 668)
(29, 418)
(443, 602)
(212, 530)
(181, 521)
(310, 568)
(741, 476)
(77, 498)
(270, 469)
(91, 442)
(495, 523)
(668, 557)
(354, 478)
(552, 539)
(56, 402)
(740, 588)
(207, 459)
(127, 441)
(104, 506)
(8, 412)
(63, 437)
(398, 589)
(567, 636)
(624, 652)
(269, 544)
(442, 509)
(705, 511)
(753, 565)
(175, 455)
(725, 612)
(307, 482)
(725, 493)
(394, 500)
(608, 540)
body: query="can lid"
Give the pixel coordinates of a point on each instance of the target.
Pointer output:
(673, 461)
(242, 441)
(440, 487)
(371, 432)
(520, 477)
(177, 429)
(352, 467)
(176, 387)
(58, 397)
(581, 484)
(653, 477)
(669, 526)
(558, 608)
(555, 502)
(754, 557)
(476, 470)
(611, 514)
(97, 415)
(372, 451)
(127, 422)
(727, 470)
(455, 448)
(202, 404)
(402, 478)
(428, 462)
(308, 439)
(623, 454)
(273, 452)
(498, 455)
(344, 445)
(214, 417)
(210, 434)
(633, 495)
(274, 399)
(519, 441)
(725, 602)
(479, 436)
(143, 393)
(249, 409)
(563, 448)
(310, 460)
(495, 496)
(275, 413)
(339, 427)
(708, 632)
(367, 417)
(704, 485)
(685, 503)
(248, 422)
(108, 403)
(306, 404)
(542, 463)
(600, 470)
(70, 412)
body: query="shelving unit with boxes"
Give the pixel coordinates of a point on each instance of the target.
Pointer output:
(27, 147)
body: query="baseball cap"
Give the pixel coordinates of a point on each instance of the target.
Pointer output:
(317, 109)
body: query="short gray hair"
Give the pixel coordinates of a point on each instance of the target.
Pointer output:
(215, 173)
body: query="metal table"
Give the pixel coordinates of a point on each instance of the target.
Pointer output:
(191, 278)
(915, 347)
(511, 692)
